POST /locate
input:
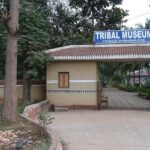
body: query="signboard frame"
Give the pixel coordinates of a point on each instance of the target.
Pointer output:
(121, 36)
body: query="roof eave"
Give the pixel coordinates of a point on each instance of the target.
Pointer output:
(101, 58)
(87, 46)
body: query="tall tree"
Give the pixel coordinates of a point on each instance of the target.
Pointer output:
(11, 22)
(145, 26)
(2, 50)
(104, 13)
(34, 38)
(68, 27)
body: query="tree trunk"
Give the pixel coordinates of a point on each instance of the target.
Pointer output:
(129, 78)
(10, 97)
(133, 74)
(93, 23)
(26, 87)
(139, 75)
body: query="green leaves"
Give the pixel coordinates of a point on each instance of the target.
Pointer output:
(104, 13)
(47, 25)
(146, 26)
(68, 27)
(34, 36)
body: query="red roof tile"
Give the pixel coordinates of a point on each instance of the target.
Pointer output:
(100, 52)
(94, 51)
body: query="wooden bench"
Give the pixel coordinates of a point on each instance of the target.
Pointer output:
(104, 100)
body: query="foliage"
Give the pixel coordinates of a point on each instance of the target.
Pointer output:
(47, 25)
(44, 118)
(44, 146)
(1, 109)
(116, 73)
(146, 25)
(127, 88)
(20, 108)
(74, 26)
(105, 13)
(144, 92)
(34, 37)
(68, 27)
(106, 71)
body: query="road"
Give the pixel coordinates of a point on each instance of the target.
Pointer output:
(103, 130)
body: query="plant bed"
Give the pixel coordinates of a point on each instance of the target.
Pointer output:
(127, 88)
(144, 93)
(22, 135)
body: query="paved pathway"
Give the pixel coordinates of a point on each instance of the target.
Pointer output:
(103, 130)
(122, 99)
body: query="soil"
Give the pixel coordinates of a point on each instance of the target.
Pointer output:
(21, 135)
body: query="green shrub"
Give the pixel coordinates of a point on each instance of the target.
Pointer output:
(144, 92)
(1, 108)
(44, 146)
(148, 91)
(20, 108)
(45, 118)
(127, 88)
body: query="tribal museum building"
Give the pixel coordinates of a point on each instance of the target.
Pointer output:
(73, 75)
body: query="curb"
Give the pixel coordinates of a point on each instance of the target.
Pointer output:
(56, 143)
(31, 111)
(36, 108)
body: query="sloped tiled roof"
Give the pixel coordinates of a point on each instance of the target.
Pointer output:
(101, 52)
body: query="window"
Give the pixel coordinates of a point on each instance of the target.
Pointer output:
(63, 79)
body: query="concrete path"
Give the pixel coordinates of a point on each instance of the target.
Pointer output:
(122, 99)
(103, 130)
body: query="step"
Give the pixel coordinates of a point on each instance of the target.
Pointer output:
(61, 108)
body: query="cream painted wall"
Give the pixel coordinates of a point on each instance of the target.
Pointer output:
(78, 70)
(85, 71)
(37, 92)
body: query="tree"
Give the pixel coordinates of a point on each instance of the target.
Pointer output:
(11, 22)
(34, 38)
(68, 27)
(2, 50)
(146, 25)
(104, 13)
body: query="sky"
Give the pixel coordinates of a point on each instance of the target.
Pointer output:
(139, 10)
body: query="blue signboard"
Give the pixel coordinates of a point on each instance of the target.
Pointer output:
(122, 36)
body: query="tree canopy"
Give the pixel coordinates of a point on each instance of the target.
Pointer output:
(34, 37)
(47, 25)
(105, 14)
(145, 26)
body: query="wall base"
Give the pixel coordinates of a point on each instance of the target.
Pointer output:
(74, 107)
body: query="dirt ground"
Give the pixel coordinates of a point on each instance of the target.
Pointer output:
(21, 135)
(103, 130)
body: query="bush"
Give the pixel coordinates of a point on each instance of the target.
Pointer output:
(144, 92)
(44, 146)
(127, 88)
